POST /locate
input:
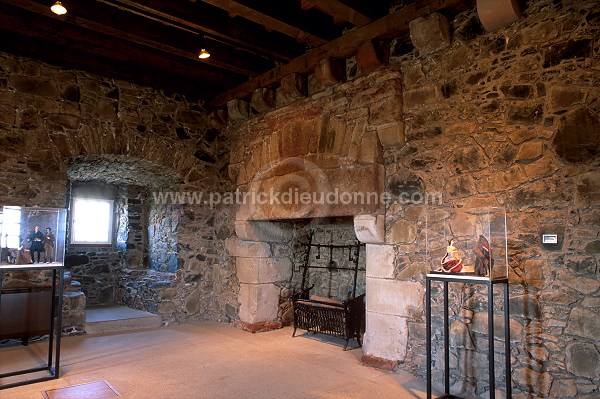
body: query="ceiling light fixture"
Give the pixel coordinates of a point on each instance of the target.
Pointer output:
(58, 8)
(203, 54)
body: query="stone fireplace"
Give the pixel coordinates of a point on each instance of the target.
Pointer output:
(322, 159)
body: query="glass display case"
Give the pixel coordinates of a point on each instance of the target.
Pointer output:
(467, 242)
(31, 294)
(23, 244)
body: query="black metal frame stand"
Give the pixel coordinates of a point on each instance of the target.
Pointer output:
(490, 284)
(53, 364)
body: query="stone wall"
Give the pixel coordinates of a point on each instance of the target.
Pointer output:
(487, 120)
(505, 118)
(137, 245)
(97, 269)
(61, 125)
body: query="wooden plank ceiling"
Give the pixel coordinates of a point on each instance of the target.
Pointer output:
(253, 43)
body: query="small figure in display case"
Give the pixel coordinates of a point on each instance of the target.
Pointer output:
(37, 246)
(483, 257)
(467, 242)
(49, 245)
(452, 261)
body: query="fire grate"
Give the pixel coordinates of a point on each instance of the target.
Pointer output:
(90, 390)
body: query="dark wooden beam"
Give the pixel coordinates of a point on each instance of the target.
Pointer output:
(388, 27)
(35, 35)
(121, 25)
(203, 17)
(280, 17)
(339, 11)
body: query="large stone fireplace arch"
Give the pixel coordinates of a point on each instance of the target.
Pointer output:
(330, 143)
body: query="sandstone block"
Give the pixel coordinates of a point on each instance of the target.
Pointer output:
(293, 87)
(263, 99)
(386, 336)
(247, 249)
(370, 149)
(237, 110)
(391, 134)
(263, 270)
(402, 232)
(370, 229)
(317, 193)
(430, 33)
(258, 302)
(387, 110)
(380, 261)
(495, 14)
(394, 297)
(263, 231)
(420, 96)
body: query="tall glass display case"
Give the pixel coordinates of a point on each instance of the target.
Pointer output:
(467, 245)
(469, 242)
(31, 294)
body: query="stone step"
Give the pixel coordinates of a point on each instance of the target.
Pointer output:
(112, 318)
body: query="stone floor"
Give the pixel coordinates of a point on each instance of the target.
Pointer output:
(113, 318)
(211, 360)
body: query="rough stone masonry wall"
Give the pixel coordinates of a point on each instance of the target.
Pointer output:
(506, 118)
(57, 123)
(510, 118)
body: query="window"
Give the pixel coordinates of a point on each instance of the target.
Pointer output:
(11, 228)
(92, 221)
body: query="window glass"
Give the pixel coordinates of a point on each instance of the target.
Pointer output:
(92, 221)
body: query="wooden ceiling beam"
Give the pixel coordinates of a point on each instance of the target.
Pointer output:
(244, 11)
(34, 35)
(232, 64)
(338, 10)
(210, 20)
(388, 27)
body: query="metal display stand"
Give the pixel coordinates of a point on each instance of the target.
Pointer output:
(446, 278)
(51, 368)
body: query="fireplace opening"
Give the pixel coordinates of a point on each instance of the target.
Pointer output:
(331, 259)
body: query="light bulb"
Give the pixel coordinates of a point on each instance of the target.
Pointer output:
(58, 8)
(203, 54)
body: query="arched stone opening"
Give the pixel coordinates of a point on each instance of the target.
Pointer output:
(144, 233)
